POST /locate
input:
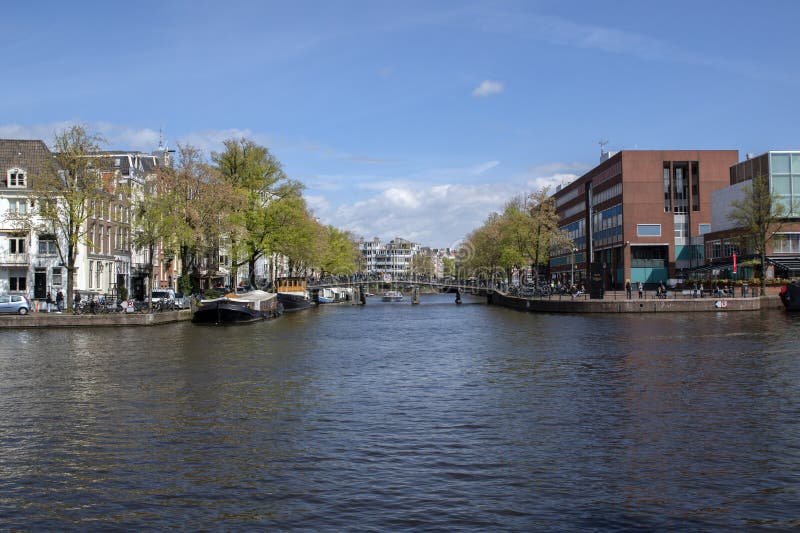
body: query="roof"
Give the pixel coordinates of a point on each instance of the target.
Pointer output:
(32, 156)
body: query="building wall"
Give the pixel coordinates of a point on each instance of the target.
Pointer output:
(628, 189)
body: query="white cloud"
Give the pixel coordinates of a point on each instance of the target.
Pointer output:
(433, 215)
(488, 88)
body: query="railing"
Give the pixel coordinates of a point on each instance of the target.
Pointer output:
(14, 259)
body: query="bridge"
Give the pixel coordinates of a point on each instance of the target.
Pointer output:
(362, 287)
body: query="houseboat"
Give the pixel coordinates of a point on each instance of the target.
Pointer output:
(235, 308)
(293, 294)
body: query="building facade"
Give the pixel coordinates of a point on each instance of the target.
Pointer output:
(394, 257)
(639, 215)
(30, 264)
(782, 168)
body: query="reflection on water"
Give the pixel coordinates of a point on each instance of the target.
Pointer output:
(395, 416)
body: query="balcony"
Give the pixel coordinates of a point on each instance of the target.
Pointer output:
(8, 259)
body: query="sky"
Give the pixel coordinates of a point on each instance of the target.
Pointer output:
(411, 119)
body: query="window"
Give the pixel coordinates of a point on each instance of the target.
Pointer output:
(702, 229)
(17, 283)
(681, 187)
(16, 245)
(786, 243)
(18, 206)
(667, 197)
(648, 230)
(16, 178)
(681, 230)
(56, 276)
(695, 186)
(47, 246)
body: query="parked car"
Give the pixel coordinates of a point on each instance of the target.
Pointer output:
(14, 303)
(163, 295)
(182, 301)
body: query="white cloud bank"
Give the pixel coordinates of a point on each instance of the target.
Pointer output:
(433, 215)
(488, 88)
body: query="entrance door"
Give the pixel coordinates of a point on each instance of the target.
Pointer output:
(40, 285)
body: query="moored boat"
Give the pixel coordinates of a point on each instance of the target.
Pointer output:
(292, 293)
(392, 296)
(238, 308)
(790, 296)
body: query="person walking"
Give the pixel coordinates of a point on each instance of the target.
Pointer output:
(49, 300)
(628, 288)
(641, 290)
(60, 301)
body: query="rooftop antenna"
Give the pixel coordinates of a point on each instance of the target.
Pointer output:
(602, 143)
(160, 140)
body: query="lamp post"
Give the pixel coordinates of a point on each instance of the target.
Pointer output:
(572, 273)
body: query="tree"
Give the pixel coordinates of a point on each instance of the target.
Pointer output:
(65, 195)
(198, 206)
(759, 215)
(152, 224)
(545, 233)
(259, 182)
(339, 252)
(422, 265)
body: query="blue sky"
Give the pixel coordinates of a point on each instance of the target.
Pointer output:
(411, 119)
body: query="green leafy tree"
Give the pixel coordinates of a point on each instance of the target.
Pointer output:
(339, 252)
(152, 224)
(260, 183)
(759, 215)
(545, 233)
(65, 194)
(198, 206)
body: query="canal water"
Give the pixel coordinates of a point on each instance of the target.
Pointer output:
(396, 417)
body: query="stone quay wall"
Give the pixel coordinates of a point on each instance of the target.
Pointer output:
(69, 320)
(634, 305)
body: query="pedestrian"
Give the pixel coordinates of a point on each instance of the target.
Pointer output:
(60, 301)
(77, 299)
(628, 288)
(49, 300)
(641, 290)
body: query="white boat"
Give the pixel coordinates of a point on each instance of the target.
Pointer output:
(392, 296)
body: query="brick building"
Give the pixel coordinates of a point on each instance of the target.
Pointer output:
(639, 214)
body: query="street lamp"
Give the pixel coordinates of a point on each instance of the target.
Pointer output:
(572, 273)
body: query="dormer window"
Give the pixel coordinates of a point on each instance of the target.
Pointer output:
(16, 178)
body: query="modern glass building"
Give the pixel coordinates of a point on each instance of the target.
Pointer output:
(783, 171)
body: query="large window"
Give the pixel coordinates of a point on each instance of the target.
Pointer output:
(681, 187)
(16, 245)
(786, 243)
(18, 206)
(695, 186)
(17, 283)
(667, 189)
(785, 180)
(47, 246)
(648, 230)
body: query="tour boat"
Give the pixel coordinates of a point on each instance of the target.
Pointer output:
(332, 295)
(235, 308)
(392, 296)
(790, 296)
(292, 293)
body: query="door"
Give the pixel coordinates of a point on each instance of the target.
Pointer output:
(40, 285)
